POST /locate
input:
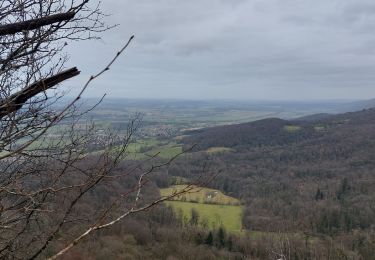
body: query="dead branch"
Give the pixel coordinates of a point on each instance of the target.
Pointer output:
(16, 101)
(35, 23)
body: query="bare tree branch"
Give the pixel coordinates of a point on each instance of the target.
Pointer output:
(17, 100)
(35, 23)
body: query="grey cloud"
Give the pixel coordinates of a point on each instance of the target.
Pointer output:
(234, 49)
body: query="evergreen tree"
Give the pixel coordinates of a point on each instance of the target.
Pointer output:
(344, 189)
(194, 218)
(319, 195)
(209, 239)
(221, 237)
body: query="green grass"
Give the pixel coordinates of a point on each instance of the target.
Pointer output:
(146, 148)
(320, 128)
(215, 209)
(200, 195)
(213, 150)
(211, 215)
(292, 128)
(166, 151)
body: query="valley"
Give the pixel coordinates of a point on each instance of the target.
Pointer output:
(182, 130)
(304, 185)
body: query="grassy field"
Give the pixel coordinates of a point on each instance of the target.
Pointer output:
(166, 151)
(320, 128)
(211, 215)
(215, 209)
(147, 148)
(212, 150)
(292, 128)
(200, 195)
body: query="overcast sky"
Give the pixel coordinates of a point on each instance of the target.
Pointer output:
(235, 49)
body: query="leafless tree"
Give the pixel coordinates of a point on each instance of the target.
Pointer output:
(46, 172)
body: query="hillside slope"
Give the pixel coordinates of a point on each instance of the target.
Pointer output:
(278, 132)
(264, 132)
(297, 176)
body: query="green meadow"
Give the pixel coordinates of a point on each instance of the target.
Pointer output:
(292, 128)
(146, 148)
(214, 208)
(213, 150)
(211, 215)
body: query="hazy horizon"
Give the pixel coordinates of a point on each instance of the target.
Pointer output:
(109, 97)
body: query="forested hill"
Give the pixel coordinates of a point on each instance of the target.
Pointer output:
(298, 176)
(278, 132)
